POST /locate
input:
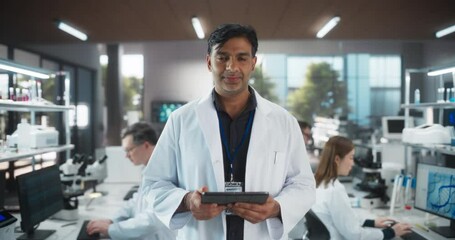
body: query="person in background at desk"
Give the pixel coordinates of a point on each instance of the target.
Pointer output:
(231, 140)
(307, 135)
(332, 203)
(135, 220)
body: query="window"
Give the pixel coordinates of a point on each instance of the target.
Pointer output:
(133, 81)
(372, 83)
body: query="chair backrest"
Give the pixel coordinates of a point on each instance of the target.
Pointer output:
(316, 228)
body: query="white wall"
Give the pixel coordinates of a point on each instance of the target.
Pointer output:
(175, 71)
(439, 53)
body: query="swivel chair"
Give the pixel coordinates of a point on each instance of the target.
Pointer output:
(316, 228)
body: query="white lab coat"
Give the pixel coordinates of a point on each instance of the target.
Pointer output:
(189, 155)
(136, 220)
(334, 209)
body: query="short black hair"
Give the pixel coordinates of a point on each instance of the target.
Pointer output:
(225, 32)
(141, 132)
(304, 124)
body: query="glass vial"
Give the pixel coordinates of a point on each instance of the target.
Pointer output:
(417, 96)
(440, 95)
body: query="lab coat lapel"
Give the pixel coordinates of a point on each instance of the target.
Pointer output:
(208, 121)
(257, 150)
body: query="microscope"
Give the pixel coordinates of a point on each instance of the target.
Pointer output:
(77, 175)
(368, 160)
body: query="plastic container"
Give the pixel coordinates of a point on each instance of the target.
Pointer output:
(23, 135)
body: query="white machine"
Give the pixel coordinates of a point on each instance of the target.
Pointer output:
(428, 134)
(33, 136)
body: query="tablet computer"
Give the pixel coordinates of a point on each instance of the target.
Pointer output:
(223, 198)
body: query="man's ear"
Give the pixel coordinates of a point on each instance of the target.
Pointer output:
(209, 62)
(254, 62)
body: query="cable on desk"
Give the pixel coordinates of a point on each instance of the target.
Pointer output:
(68, 224)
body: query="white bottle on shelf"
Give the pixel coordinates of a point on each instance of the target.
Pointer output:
(23, 135)
(417, 96)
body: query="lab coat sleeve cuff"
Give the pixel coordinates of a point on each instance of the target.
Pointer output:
(179, 220)
(368, 223)
(275, 227)
(114, 231)
(389, 233)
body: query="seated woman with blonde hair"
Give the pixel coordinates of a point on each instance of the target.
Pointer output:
(332, 202)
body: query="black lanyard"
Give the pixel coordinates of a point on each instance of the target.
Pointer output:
(224, 140)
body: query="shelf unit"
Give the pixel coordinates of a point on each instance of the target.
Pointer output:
(440, 148)
(34, 107)
(10, 156)
(444, 105)
(40, 106)
(31, 107)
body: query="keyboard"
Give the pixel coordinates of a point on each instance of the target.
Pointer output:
(413, 236)
(83, 233)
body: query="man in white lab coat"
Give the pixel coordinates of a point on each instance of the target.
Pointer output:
(230, 140)
(136, 219)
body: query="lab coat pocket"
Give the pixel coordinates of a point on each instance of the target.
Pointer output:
(276, 168)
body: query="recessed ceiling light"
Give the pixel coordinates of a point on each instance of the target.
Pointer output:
(72, 30)
(328, 26)
(445, 31)
(198, 27)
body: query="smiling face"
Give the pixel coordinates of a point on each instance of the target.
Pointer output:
(231, 66)
(345, 164)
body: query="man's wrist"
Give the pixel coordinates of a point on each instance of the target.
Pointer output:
(186, 201)
(277, 210)
(184, 204)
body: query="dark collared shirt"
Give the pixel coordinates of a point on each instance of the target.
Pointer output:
(234, 130)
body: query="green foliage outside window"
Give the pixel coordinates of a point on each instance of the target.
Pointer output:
(131, 90)
(262, 84)
(321, 95)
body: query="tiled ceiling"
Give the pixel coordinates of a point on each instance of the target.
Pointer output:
(109, 21)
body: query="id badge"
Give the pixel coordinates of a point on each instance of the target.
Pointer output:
(232, 187)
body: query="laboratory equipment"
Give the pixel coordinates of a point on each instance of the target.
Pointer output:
(428, 134)
(392, 126)
(434, 194)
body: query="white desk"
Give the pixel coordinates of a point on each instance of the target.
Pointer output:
(105, 207)
(102, 207)
(415, 217)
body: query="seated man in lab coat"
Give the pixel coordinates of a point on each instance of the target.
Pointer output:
(135, 220)
(230, 140)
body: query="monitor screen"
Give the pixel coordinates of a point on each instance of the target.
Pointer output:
(363, 154)
(392, 126)
(40, 196)
(161, 110)
(435, 194)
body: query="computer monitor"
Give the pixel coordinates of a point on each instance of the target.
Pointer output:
(161, 110)
(40, 196)
(435, 194)
(392, 126)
